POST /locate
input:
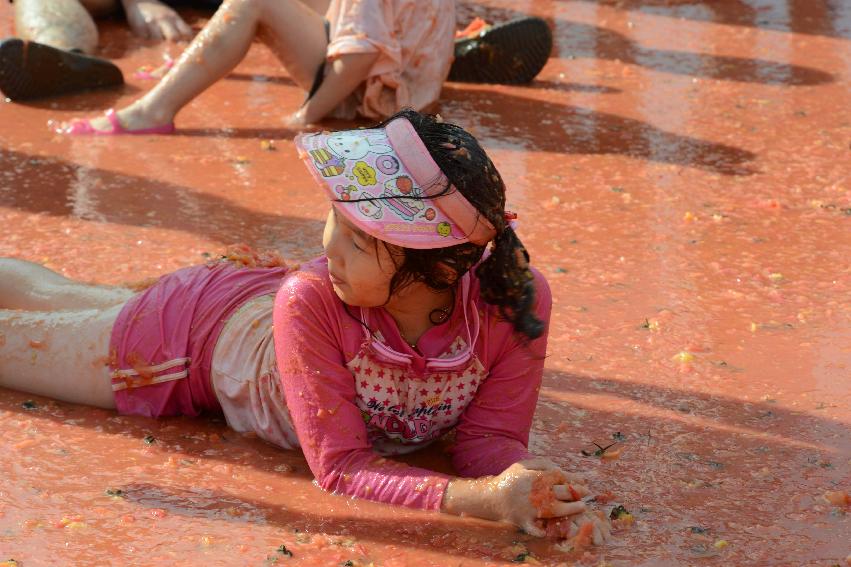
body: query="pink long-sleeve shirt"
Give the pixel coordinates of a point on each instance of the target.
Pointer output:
(351, 406)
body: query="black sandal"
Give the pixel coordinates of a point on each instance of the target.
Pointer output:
(32, 70)
(509, 53)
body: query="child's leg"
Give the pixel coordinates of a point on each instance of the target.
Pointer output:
(29, 286)
(61, 355)
(54, 333)
(298, 38)
(63, 24)
(318, 6)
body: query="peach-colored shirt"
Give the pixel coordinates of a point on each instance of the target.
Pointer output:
(414, 40)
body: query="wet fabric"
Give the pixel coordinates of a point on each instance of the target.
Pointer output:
(245, 376)
(347, 401)
(415, 44)
(162, 342)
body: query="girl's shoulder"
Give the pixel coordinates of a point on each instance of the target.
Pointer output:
(543, 294)
(312, 273)
(542, 286)
(308, 284)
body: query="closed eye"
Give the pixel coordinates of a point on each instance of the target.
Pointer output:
(355, 244)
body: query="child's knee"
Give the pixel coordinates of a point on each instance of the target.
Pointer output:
(10, 266)
(254, 8)
(15, 269)
(100, 7)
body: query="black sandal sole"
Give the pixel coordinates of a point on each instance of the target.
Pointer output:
(30, 70)
(509, 53)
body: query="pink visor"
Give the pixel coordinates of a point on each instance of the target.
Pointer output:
(387, 184)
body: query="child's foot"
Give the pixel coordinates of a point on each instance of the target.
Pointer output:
(31, 70)
(510, 53)
(131, 120)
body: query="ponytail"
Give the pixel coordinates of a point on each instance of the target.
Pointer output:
(506, 281)
(505, 278)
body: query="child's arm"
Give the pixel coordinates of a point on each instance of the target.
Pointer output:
(155, 20)
(512, 485)
(320, 395)
(344, 75)
(493, 431)
(360, 31)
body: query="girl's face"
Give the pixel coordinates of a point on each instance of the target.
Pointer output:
(360, 271)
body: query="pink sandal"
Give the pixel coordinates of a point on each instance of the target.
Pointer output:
(84, 127)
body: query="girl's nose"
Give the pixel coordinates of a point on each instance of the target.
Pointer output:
(328, 244)
(331, 239)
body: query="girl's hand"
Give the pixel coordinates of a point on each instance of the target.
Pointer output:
(601, 528)
(523, 494)
(543, 464)
(519, 495)
(153, 19)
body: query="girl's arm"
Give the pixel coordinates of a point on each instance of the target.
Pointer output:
(492, 440)
(493, 432)
(360, 31)
(344, 75)
(153, 19)
(320, 395)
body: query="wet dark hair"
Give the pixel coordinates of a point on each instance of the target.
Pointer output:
(504, 276)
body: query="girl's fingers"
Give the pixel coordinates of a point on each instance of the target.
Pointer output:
(169, 30)
(533, 530)
(574, 529)
(600, 527)
(560, 509)
(562, 492)
(154, 31)
(570, 492)
(539, 464)
(140, 29)
(183, 28)
(575, 479)
(543, 464)
(604, 525)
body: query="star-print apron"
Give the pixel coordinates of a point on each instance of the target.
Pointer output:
(406, 402)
